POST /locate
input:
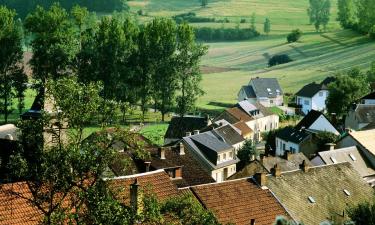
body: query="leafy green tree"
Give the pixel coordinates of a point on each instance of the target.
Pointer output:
(267, 26)
(204, 3)
(345, 91)
(54, 44)
(12, 77)
(347, 14)
(319, 13)
(294, 36)
(366, 17)
(325, 137)
(371, 73)
(189, 54)
(363, 213)
(247, 151)
(252, 22)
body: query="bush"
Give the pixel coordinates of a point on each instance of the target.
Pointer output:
(294, 36)
(279, 59)
(224, 34)
(243, 20)
(191, 18)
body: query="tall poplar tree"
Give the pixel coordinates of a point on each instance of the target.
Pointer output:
(267, 26)
(319, 13)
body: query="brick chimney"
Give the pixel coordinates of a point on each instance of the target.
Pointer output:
(288, 155)
(178, 172)
(276, 170)
(136, 200)
(162, 153)
(330, 146)
(181, 149)
(188, 134)
(147, 166)
(304, 167)
(260, 179)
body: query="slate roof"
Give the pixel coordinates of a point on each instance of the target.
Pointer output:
(351, 155)
(192, 171)
(311, 89)
(365, 113)
(327, 81)
(309, 119)
(326, 185)
(229, 134)
(249, 170)
(292, 135)
(178, 126)
(247, 107)
(266, 87)
(249, 91)
(369, 96)
(155, 182)
(36, 107)
(239, 201)
(285, 165)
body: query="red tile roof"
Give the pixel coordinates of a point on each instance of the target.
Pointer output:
(239, 201)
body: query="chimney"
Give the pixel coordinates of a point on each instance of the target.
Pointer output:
(288, 155)
(136, 197)
(276, 170)
(196, 132)
(330, 146)
(188, 134)
(304, 167)
(178, 172)
(162, 153)
(147, 166)
(260, 179)
(182, 148)
(252, 222)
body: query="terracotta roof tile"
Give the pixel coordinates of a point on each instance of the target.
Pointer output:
(245, 130)
(239, 201)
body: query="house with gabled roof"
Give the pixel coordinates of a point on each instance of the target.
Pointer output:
(316, 121)
(314, 195)
(266, 91)
(313, 96)
(361, 117)
(240, 202)
(351, 155)
(216, 155)
(292, 140)
(368, 99)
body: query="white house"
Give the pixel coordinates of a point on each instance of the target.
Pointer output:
(313, 96)
(316, 121)
(266, 91)
(368, 99)
(291, 140)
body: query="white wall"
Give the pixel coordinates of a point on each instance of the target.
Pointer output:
(218, 174)
(306, 108)
(288, 145)
(264, 124)
(323, 124)
(369, 102)
(348, 141)
(319, 100)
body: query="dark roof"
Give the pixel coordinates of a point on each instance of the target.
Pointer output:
(309, 90)
(292, 135)
(229, 134)
(325, 185)
(266, 87)
(35, 111)
(180, 125)
(249, 170)
(369, 96)
(309, 119)
(327, 81)
(245, 130)
(286, 165)
(249, 91)
(192, 171)
(239, 201)
(365, 113)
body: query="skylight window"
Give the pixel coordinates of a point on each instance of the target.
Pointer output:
(352, 157)
(311, 199)
(269, 89)
(346, 192)
(333, 159)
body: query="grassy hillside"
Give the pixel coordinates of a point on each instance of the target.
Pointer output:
(229, 65)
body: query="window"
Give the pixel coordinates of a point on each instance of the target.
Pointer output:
(265, 127)
(224, 156)
(268, 89)
(271, 101)
(231, 155)
(311, 199)
(284, 147)
(352, 157)
(346, 192)
(321, 94)
(306, 102)
(218, 158)
(333, 159)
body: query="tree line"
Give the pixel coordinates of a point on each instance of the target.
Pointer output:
(152, 64)
(23, 7)
(357, 15)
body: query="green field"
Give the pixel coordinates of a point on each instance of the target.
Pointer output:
(315, 56)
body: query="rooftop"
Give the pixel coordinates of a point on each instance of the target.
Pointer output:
(365, 113)
(293, 135)
(229, 134)
(239, 201)
(178, 126)
(369, 96)
(365, 138)
(266, 87)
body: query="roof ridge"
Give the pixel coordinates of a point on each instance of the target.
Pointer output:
(315, 167)
(134, 175)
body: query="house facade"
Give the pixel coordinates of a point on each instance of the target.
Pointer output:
(313, 96)
(316, 121)
(266, 91)
(361, 116)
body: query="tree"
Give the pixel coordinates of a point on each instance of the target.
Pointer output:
(189, 54)
(345, 91)
(279, 59)
(267, 26)
(204, 3)
(363, 213)
(366, 17)
(371, 73)
(64, 176)
(347, 13)
(252, 22)
(12, 77)
(54, 44)
(247, 151)
(294, 36)
(319, 13)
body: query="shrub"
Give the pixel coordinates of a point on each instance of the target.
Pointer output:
(224, 34)
(279, 59)
(243, 20)
(294, 36)
(191, 18)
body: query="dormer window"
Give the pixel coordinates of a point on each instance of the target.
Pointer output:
(347, 193)
(269, 89)
(218, 158)
(352, 157)
(311, 199)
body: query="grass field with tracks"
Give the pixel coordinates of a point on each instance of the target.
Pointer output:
(229, 65)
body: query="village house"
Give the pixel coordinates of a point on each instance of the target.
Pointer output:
(216, 155)
(361, 117)
(179, 126)
(351, 155)
(266, 91)
(313, 96)
(368, 99)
